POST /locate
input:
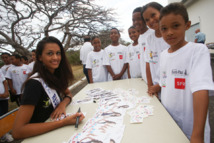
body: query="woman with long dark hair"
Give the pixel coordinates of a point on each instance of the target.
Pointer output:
(46, 92)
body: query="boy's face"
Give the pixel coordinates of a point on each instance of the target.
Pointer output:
(33, 55)
(173, 29)
(133, 34)
(15, 61)
(96, 44)
(137, 20)
(114, 35)
(6, 59)
(151, 17)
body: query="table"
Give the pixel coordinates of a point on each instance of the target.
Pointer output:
(159, 128)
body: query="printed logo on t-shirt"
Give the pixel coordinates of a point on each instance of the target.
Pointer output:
(163, 80)
(138, 56)
(144, 49)
(47, 103)
(120, 56)
(96, 63)
(153, 57)
(180, 83)
(179, 72)
(111, 56)
(24, 72)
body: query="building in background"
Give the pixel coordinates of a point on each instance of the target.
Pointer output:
(201, 15)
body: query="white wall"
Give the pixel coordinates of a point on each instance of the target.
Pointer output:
(202, 12)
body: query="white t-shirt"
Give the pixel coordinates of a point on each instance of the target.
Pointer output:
(2, 89)
(85, 49)
(115, 56)
(154, 47)
(95, 62)
(133, 57)
(30, 67)
(18, 75)
(4, 68)
(142, 43)
(182, 73)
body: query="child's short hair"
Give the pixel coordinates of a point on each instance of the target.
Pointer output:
(132, 27)
(115, 29)
(25, 58)
(17, 56)
(94, 37)
(154, 5)
(138, 9)
(175, 8)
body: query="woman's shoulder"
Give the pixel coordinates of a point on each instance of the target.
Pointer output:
(33, 83)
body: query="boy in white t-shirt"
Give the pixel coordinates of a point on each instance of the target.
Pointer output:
(144, 31)
(16, 76)
(115, 58)
(31, 64)
(4, 94)
(96, 71)
(6, 57)
(185, 75)
(133, 54)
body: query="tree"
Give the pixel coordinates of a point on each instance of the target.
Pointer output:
(24, 22)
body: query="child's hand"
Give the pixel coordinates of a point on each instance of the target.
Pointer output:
(13, 91)
(153, 90)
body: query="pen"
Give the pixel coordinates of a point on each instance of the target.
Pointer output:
(77, 119)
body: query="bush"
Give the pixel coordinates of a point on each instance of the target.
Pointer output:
(73, 57)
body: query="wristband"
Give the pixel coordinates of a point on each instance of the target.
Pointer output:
(69, 98)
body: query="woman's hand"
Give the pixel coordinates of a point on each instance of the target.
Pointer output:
(71, 120)
(59, 111)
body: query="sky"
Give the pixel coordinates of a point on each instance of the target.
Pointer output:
(124, 9)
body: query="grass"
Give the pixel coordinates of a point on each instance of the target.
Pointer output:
(77, 72)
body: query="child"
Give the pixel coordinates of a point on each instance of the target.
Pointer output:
(41, 98)
(133, 54)
(115, 57)
(31, 64)
(6, 57)
(185, 75)
(4, 94)
(96, 71)
(16, 76)
(140, 25)
(155, 45)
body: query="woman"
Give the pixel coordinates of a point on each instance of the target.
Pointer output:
(41, 98)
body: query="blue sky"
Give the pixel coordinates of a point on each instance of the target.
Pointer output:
(124, 9)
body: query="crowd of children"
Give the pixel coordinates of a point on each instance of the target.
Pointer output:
(176, 71)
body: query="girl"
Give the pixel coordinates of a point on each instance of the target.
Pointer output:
(115, 57)
(155, 45)
(96, 71)
(133, 54)
(41, 100)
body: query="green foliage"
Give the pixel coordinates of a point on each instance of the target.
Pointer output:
(73, 57)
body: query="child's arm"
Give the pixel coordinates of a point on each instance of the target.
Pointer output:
(129, 75)
(6, 92)
(118, 76)
(10, 83)
(148, 76)
(200, 108)
(90, 75)
(109, 69)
